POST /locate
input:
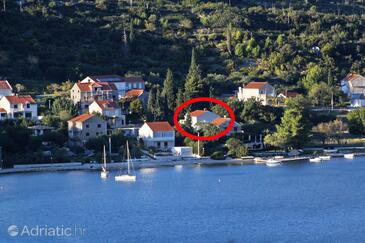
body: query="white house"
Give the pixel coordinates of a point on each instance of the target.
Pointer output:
(223, 122)
(111, 110)
(15, 106)
(353, 85)
(159, 135)
(86, 126)
(123, 84)
(203, 116)
(5, 88)
(262, 91)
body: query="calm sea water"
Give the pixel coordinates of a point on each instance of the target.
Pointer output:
(300, 202)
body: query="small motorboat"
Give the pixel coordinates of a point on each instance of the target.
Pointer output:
(327, 157)
(349, 156)
(272, 162)
(315, 160)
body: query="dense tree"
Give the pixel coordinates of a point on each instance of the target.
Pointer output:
(292, 132)
(331, 131)
(63, 106)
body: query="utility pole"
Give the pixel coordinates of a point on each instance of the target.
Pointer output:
(110, 149)
(198, 147)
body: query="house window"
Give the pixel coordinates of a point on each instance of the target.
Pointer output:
(28, 106)
(97, 134)
(86, 106)
(99, 125)
(235, 129)
(165, 144)
(15, 106)
(87, 134)
(87, 126)
(28, 114)
(158, 144)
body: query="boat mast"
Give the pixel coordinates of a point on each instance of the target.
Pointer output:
(128, 159)
(104, 158)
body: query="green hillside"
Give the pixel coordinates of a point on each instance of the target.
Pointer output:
(287, 42)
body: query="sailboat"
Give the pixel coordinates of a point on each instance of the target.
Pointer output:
(104, 173)
(129, 177)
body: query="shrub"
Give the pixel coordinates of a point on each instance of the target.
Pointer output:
(218, 155)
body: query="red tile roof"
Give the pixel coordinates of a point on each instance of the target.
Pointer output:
(2, 110)
(290, 94)
(20, 99)
(4, 84)
(353, 76)
(106, 104)
(82, 118)
(255, 85)
(87, 87)
(198, 112)
(160, 126)
(134, 93)
(219, 121)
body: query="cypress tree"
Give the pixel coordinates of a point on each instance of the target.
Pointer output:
(151, 101)
(168, 91)
(193, 83)
(158, 113)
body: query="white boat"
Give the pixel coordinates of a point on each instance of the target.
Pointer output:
(104, 173)
(315, 160)
(327, 157)
(349, 156)
(272, 162)
(129, 177)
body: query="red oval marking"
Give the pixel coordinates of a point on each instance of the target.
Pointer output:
(202, 99)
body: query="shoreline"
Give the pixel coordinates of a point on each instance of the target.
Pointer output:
(140, 165)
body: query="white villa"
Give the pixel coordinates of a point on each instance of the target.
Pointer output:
(159, 135)
(262, 91)
(15, 106)
(84, 94)
(353, 85)
(123, 84)
(203, 116)
(5, 88)
(111, 110)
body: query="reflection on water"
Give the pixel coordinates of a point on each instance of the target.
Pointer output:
(290, 203)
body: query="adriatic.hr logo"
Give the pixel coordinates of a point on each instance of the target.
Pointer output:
(45, 231)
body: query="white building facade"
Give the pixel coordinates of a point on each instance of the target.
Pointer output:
(16, 106)
(159, 135)
(261, 91)
(353, 85)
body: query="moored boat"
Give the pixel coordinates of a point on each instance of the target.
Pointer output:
(315, 160)
(129, 177)
(349, 156)
(272, 162)
(326, 157)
